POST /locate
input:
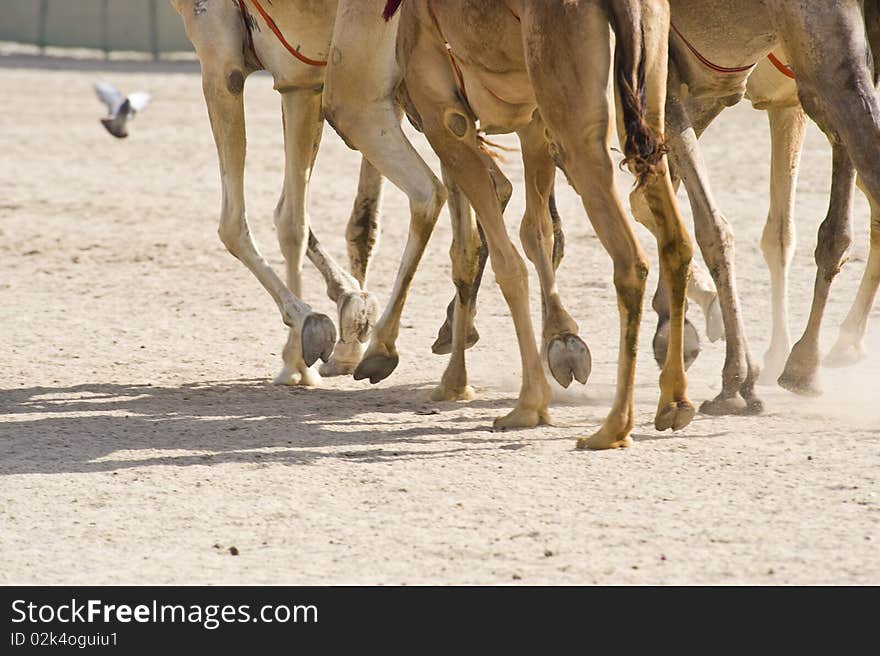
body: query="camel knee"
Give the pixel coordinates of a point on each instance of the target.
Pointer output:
(834, 241)
(234, 234)
(535, 234)
(509, 269)
(715, 237)
(588, 168)
(777, 241)
(630, 279)
(362, 230)
(291, 234)
(426, 202)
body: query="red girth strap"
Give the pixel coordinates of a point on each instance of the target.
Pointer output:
(272, 26)
(782, 68)
(706, 62)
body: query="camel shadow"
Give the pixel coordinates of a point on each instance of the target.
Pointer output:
(96, 427)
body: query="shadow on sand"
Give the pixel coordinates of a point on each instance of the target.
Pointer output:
(76, 429)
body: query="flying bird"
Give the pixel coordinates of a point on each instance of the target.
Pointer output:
(120, 108)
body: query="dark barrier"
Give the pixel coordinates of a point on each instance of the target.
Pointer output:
(151, 26)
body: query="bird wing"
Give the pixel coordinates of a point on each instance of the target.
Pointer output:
(110, 96)
(139, 100)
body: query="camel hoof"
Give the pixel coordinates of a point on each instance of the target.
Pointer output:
(443, 344)
(297, 378)
(732, 405)
(318, 338)
(522, 418)
(675, 415)
(604, 440)
(376, 367)
(358, 312)
(844, 355)
(802, 385)
(691, 343)
(444, 393)
(569, 358)
(714, 321)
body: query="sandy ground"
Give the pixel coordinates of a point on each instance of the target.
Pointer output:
(140, 437)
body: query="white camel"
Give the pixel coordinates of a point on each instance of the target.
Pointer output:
(232, 39)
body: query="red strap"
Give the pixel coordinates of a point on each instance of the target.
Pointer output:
(706, 62)
(293, 51)
(782, 68)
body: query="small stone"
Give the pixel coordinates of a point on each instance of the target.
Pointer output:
(233, 551)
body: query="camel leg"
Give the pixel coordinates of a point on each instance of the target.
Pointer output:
(467, 265)
(313, 333)
(361, 82)
(674, 247)
(700, 289)
(567, 356)
(362, 231)
(301, 112)
(835, 236)
(443, 343)
(452, 133)
(715, 239)
(836, 87)
(357, 309)
(849, 347)
(778, 239)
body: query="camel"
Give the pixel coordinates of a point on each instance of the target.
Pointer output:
(452, 79)
(232, 40)
(713, 66)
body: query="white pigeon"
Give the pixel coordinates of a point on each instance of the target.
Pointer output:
(120, 108)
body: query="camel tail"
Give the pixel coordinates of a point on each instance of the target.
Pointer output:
(391, 8)
(643, 146)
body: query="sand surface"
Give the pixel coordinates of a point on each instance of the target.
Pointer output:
(140, 437)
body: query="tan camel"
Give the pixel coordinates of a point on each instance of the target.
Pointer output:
(465, 62)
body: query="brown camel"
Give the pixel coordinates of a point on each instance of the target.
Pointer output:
(495, 63)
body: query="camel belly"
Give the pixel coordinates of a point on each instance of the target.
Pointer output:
(503, 103)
